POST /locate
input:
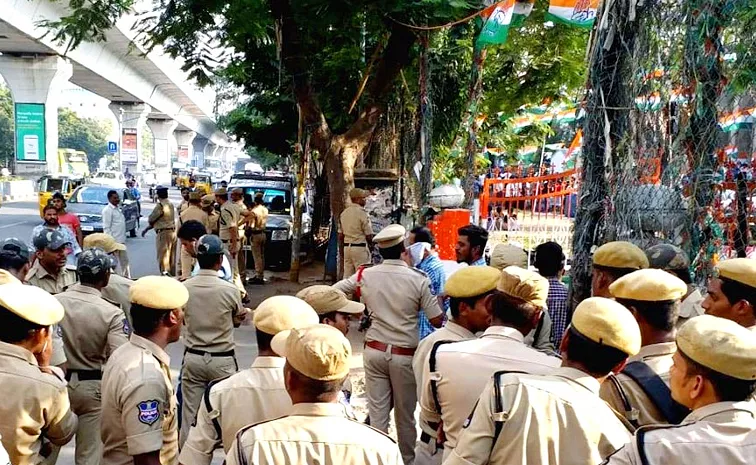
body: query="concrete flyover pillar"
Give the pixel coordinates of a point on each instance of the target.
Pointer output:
(184, 148)
(35, 83)
(211, 151)
(131, 117)
(162, 133)
(198, 151)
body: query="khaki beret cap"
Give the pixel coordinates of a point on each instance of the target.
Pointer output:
(472, 281)
(221, 191)
(31, 303)
(525, 285)
(237, 191)
(620, 254)
(505, 255)
(208, 200)
(195, 196)
(327, 299)
(609, 323)
(103, 241)
(158, 293)
(742, 270)
(283, 312)
(720, 345)
(390, 236)
(358, 193)
(651, 285)
(319, 352)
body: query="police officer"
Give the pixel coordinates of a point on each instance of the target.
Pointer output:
(185, 191)
(117, 290)
(613, 260)
(457, 373)
(674, 260)
(237, 198)
(189, 233)
(641, 391)
(163, 221)
(49, 271)
(138, 404)
(356, 232)
(259, 389)
(229, 233)
(732, 294)
(208, 206)
(257, 221)
(714, 372)
(35, 410)
(394, 293)
(316, 429)
(559, 418)
(195, 213)
(213, 311)
(92, 329)
(15, 261)
(467, 290)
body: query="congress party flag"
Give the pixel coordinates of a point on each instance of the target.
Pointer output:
(522, 9)
(578, 13)
(496, 21)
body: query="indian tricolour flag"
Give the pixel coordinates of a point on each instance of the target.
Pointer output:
(496, 21)
(579, 13)
(737, 119)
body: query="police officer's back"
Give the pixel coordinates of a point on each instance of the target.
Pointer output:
(117, 290)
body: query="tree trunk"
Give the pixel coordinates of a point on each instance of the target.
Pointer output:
(426, 123)
(474, 93)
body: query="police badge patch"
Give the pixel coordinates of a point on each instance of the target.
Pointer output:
(148, 411)
(126, 327)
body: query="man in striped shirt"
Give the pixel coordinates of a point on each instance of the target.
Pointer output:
(550, 263)
(432, 266)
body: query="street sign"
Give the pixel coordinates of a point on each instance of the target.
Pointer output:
(112, 147)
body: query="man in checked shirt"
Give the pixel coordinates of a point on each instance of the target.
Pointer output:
(432, 266)
(550, 263)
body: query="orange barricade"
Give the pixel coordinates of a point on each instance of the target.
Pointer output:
(444, 228)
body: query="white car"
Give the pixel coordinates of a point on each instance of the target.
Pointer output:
(108, 178)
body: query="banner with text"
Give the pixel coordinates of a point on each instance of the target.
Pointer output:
(30, 132)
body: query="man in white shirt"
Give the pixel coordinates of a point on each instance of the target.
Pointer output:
(114, 223)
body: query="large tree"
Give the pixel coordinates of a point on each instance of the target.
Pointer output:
(7, 136)
(86, 134)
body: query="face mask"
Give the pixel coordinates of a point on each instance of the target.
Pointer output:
(417, 252)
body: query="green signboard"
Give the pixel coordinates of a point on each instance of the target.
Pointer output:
(30, 132)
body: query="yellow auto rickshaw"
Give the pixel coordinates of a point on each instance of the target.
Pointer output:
(203, 183)
(50, 183)
(182, 180)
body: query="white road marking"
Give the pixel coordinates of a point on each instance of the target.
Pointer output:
(12, 224)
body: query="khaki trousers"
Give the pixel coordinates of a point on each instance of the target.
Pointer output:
(390, 377)
(426, 454)
(241, 257)
(165, 243)
(197, 372)
(258, 253)
(235, 266)
(187, 263)
(85, 399)
(123, 264)
(354, 257)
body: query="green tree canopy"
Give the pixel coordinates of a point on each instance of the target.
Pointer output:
(7, 136)
(86, 134)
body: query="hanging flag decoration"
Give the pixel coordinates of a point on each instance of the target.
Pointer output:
(575, 146)
(522, 9)
(731, 122)
(496, 21)
(578, 13)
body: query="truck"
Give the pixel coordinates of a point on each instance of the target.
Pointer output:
(73, 163)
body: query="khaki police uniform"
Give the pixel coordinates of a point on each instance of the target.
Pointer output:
(355, 225)
(314, 432)
(35, 412)
(721, 432)
(260, 388)
(92, 329)
(242, 234)
(257, 222)
(230, 217)
(617, 255)
(163, 220)
(394, 293)
(191, 213)
(182, 206)
(117, 292)
(551, 419)
(208, 338)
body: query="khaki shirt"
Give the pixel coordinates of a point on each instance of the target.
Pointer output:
(690, 307)
(35, 406)
(464, 368)
(243, 214)
(212, 221)
(183, 206)
(229, 218)
(355, 224)
(720, 433)
(260, 389)
(659, 358)
(259, 218)
(209, 314)
(6, 277)
(163, 216)
(313, 433)
(555, 419)
(138, 404)
(39, 277)
(92, 327)
(195, 213)
(117, 291)
(394, 293)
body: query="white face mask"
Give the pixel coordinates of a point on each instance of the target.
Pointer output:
(417, 252)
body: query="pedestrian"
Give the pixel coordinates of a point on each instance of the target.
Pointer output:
(185, 202)
(208, 206)
(732, 294)
(356, 232)
(456, 373)
(15, 260)
(114, 224)
(36, 413)
(134, 191)
(467, 290)
(714, 375)
(213, 311)
(259, 388)
(316, 429)
(117, 289)
(550, 260)
(612, 261)
(192, 212)
(674, 260)
(50, 222)
(49, 270)
(188, 234)
(163, 221)
(138, 404)
(65, 219)
(229, 233)
(393, 293)
(257, 221)
(92, 329)
(558, 418)
(430, 264)
(471, 245)
(641, 391)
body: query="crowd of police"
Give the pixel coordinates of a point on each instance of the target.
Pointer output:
(83, 354)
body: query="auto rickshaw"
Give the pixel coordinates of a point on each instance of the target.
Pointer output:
(203, 183)
(50, 183)
(182, 180)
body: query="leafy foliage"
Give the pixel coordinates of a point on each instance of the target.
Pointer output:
(7, 137)
(86, 134)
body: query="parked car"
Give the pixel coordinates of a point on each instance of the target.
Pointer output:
(87, 202)
(108, 178)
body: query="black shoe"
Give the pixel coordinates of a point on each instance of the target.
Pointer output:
(256, 281)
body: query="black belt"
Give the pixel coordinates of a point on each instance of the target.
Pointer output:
(355, 245)
(228, 353)
(165, 229)
(84, 375)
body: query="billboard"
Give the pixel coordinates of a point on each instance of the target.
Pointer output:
(183, 154)
(162, 158)
(30, 132)
(129, 152)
